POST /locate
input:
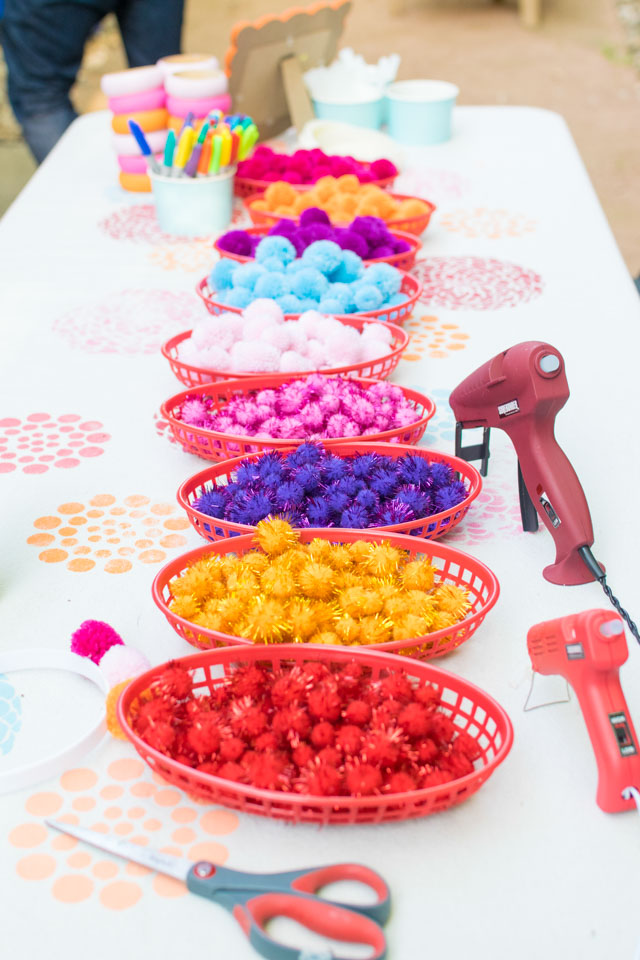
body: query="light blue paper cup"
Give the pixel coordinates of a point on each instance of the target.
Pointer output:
(359, 104)
(419, 111)
(193, 206)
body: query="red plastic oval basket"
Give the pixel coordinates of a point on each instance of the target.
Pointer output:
(222, 446)
(428, 528)
(470, 708)
(417, 224)
(377, 369)
(402, 261)
(453, 566)
(246, 187)
(410, 286)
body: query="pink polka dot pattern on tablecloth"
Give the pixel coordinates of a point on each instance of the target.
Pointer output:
(475, 283)
(129, 321)
(163, 428)
(149, 812)
(139, 224)
(435, 185)
(496, 511)
(40, 441)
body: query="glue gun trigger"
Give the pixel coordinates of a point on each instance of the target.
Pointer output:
(528, 512)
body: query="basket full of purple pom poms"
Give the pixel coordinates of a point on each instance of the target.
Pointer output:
(386, 487)
(369, 237)
(231, 418)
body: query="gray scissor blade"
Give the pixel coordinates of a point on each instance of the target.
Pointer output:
(176, 867)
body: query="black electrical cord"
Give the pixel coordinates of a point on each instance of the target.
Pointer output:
(601, 577)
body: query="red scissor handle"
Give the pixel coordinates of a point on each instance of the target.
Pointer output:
(322, 917)
(313, 880)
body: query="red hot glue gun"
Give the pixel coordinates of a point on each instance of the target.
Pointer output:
(588, 649)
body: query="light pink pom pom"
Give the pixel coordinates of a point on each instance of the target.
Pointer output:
(263, 307)
(254, 357)
(214, 358)
(292, 362)
(278, 335)
(214, 331)
(377, 331)
(122, 663)
(372, 349)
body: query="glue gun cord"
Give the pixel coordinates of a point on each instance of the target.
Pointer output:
(599, 574)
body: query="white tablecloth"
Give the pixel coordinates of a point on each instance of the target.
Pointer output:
(529, 867)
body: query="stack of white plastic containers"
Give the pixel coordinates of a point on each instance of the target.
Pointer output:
(194, 84)
(159, 98)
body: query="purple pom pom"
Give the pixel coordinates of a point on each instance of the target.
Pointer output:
(93, 638)
(350, 240)
(314, 215)
(236, 241)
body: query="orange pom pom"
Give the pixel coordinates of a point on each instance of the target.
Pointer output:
(113, 696)
(348, 183)
(280, 193)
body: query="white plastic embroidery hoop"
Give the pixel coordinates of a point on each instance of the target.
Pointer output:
(43, 659)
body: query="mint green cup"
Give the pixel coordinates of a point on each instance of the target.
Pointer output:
(420, 111)
(193, 206)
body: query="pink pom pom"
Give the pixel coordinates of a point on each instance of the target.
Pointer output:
(317, 354)
(121, 663)
(293, 362)
(255, 327)
(214, 358)
(279, 336)
(377, 331)
(263, 307)
(254, 357)
(93, 638)
(214, 331)
(371, 349)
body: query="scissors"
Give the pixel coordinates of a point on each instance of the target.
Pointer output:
(256, 898)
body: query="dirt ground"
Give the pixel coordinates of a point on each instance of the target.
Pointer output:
(577, 63)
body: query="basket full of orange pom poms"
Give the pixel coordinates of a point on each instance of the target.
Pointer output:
(323, 735)
(326, 586)
(342, 200)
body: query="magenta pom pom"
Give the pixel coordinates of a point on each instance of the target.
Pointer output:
(93, 638)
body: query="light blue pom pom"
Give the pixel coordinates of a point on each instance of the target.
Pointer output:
(350, 268)
(238, 297)
(309, 284)
(271, 285)
(273, 265)
(385, 277)
(397, 299)
(295, 266)
(368, 297)
(308, 304)
(331, 306)
(247, 274)
(324, 255)
(275, 246)
(341, 292)
(289, 304)
(221, 276)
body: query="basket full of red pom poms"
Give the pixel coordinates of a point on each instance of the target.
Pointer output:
(477, 583)
(325, 736)
(378, 368)
(200, 421)
(216, 478)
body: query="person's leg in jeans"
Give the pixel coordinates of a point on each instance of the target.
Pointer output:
(43, 43)
(150, 29)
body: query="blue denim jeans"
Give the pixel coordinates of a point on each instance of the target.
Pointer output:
(43, 43)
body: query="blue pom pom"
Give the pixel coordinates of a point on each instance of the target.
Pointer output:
(273, 265)
(324, 255)
(368, 297)
(363, 465)
(289, 304)
(450, 496)
(221, 277)
(318, 513)
(213, 503)
(331, 306)
(367, 499)
(238, 297)
(308, 304)
(309, 284)
(397, 299)
(341, 292)
(271, 285)
(350, 269)
(275, 246)
(333, 468)
(306, 453)
(415, 470)
(385, 277)
(441, 474)
(246, 275)
(288, 496)
(295, 266)
(355, 517)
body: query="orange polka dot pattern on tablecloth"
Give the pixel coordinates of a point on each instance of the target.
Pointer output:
(196, 257)
(76, 873)
(40, 441)
(489, 224)
(129, 321)
(109, 534)
(432, 337)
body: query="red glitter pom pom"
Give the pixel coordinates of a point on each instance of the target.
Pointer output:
(232, 748)
(442, 729)
(323, 734)
(174, 681)
(427, 751)
(152, 713)
(247, 720)
(349, 738)
(357, 712)
(303, 754)
(161, 736)
(400, 783)
(324, 702)
(466, 745)
(231, 771)
(208, 767)
(267, 770)
(426, 695)
(382, 747)
(203, 735)
(363, 779)
(248, 682)
(287, 689)
(292, 722)
(266, 741)
(397, 687)
(415, 720)
(330, 755)
(320, 780)
(434, 778)
(455, 764)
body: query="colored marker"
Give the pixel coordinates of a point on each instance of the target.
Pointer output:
(169, 149)
(205, 158)
(183, 152)
(249, 139)
(216, 153)
(141, 140)
(235, 145)
(187, 122)
(225, 153)
(192, 163)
